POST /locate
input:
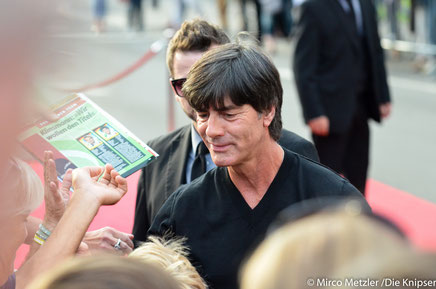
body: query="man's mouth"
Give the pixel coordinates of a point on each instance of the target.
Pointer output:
(219, 147)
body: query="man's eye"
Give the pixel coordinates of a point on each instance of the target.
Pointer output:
(230, 115)
(202, 115)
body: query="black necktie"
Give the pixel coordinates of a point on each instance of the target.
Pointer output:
(199, 165)
(352, 14)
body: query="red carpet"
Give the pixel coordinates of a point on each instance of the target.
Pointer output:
(416, 217)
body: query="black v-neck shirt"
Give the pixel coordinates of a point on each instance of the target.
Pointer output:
(220, 226)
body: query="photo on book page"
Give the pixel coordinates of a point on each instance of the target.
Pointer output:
(86, 135)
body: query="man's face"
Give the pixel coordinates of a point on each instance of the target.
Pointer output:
(90, 140)
(183, 62)
(234, 133)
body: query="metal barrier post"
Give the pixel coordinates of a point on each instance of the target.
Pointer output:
(168, 34)
(170, 109)
(407, 46)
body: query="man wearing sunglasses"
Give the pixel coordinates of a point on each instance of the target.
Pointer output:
(183, 156)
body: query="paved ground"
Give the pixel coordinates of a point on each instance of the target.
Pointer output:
(403, 153)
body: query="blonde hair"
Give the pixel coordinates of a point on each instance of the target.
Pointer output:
(23, 190)
(171, 255)
(104, 272)
(318, 246)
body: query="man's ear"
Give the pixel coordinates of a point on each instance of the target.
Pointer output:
(269, 116)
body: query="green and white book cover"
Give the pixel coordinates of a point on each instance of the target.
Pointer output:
(86, 135)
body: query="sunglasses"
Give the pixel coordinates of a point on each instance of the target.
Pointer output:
(177, 85)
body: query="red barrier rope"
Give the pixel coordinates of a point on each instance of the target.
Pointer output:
(155, 48)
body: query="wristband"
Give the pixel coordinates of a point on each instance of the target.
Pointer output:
(41, 235)
(44, 230)
(38, 240)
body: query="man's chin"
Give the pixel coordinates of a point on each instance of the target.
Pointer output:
(221, 165)
(220, 162)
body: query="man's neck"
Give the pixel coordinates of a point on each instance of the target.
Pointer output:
(253, 179)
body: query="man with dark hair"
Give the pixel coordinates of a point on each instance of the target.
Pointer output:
(177, 149)
(236, 92)
(341, 79)
(183, 155)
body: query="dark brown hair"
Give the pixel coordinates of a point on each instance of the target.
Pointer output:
(240, 71)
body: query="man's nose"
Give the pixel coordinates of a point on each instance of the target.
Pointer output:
(215, 126)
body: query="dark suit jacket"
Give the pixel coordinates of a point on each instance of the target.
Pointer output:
(325, 60)
(167, 173)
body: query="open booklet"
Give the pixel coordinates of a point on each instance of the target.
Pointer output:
(86, 135)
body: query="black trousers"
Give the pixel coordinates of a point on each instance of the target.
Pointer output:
(347, 153)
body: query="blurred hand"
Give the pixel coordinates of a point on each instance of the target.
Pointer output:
(56, 199)
(385, 109)
(107, 189)
(320, 125)
(104, 239)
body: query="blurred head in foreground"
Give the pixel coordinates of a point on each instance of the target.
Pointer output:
(21, 28)
(170, 255)
(105, 272)
(322, 245)
(24, 194)
(404, 270)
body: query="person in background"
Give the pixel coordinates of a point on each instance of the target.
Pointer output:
(179, 11)
(269, 8)
(276, 21)
(283, 19)
(135, 15)
(222, 7)
(392, 8)
(258, 7)
(431, 24)
(341, 80)
(99, 13)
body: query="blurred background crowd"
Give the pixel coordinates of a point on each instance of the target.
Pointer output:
(52, 49)
(400, 20)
